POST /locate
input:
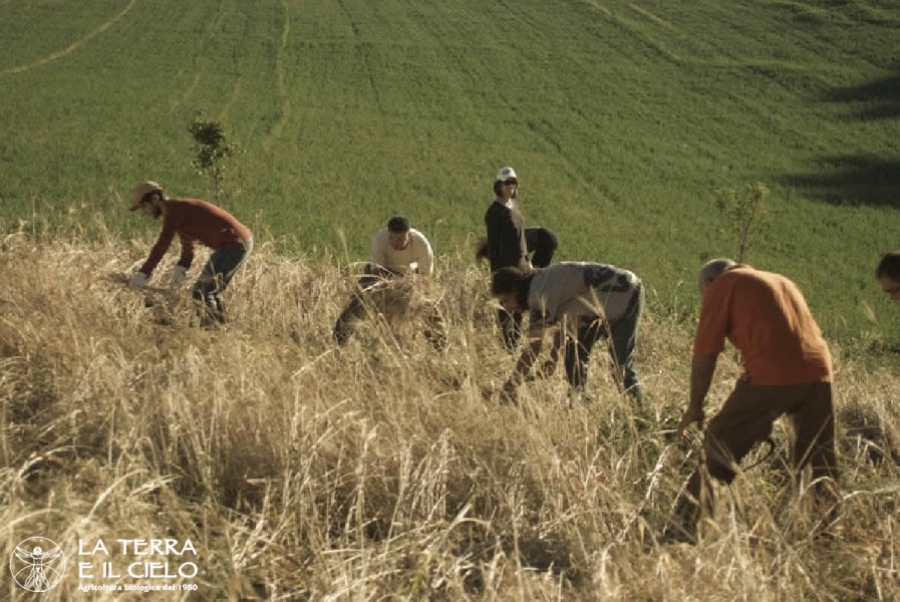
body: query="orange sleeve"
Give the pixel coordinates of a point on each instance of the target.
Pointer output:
(715, 320)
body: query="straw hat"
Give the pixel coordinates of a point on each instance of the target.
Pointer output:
(138, 193)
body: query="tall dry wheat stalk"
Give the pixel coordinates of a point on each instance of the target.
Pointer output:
(379, 471)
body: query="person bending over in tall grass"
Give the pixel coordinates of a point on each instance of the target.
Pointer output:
(787, 372)
(888, 275)
(582, 303)
(194, 221)
(509, 242)
(399, 253)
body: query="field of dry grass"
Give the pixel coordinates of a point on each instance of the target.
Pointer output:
(379, 471)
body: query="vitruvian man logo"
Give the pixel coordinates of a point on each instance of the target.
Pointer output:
(37, 564)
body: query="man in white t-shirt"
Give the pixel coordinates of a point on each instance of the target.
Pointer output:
(398, 252)
(583, 302)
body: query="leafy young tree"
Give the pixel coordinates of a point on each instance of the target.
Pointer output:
(744, 212)
(211, 148)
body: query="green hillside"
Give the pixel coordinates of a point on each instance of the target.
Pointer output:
(622, 119)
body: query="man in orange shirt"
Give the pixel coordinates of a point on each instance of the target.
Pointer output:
(787, 371)
(194, 221)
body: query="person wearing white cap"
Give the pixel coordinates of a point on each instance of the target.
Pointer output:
(194, 221)
(509, 242)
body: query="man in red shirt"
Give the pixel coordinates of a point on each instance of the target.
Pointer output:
(194, 221)
(787, 371)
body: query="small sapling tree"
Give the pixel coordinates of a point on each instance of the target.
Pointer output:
(744, 212)
(211, 148)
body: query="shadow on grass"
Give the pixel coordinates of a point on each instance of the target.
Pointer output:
(852, 180)
(858, 179)
(881, 98)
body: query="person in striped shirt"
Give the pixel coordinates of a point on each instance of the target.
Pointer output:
(583, 303)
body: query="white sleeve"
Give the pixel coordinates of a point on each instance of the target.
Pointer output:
(426, 257)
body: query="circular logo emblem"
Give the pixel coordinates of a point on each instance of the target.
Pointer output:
(37, 564)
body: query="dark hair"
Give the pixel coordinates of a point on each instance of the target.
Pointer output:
(498, 184)
(398, 224)
(149, 196)
(512, 280)
(889, 266)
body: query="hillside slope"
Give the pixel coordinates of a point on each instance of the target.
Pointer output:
(298, 471)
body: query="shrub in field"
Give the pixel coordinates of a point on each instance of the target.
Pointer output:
(211, 148)
(744, 212)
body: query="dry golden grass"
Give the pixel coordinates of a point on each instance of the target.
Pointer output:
(378, 471)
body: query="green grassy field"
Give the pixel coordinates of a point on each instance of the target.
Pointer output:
(622, 119)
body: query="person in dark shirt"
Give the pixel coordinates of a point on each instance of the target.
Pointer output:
(509, 243)
(194, 221)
